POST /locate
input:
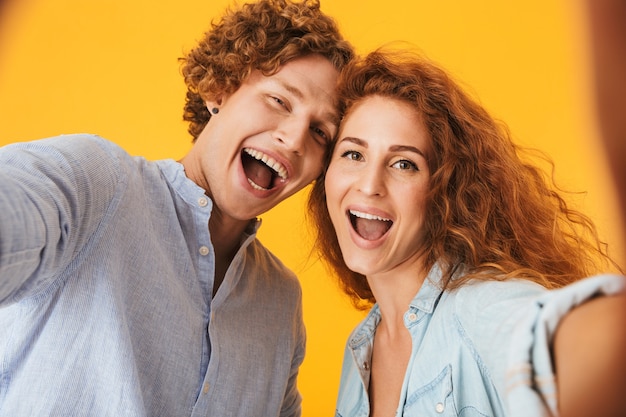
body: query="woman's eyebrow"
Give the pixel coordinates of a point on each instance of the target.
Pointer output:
(405, 148)
(392, 148)
(356, 141)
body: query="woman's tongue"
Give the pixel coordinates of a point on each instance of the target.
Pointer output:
(258, 172)
(371, 229)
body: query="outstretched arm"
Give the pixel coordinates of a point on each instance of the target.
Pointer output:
(590, 359)
(53, 193)
(607, 32)
(590, 344)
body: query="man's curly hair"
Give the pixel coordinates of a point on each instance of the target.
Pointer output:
(258, 36)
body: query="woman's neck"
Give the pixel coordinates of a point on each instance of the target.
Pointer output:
(394, 291)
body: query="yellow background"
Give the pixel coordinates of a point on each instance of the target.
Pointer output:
(110, 67)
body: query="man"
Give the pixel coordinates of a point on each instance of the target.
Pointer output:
(130, 287)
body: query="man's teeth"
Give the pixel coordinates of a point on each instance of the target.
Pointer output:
(368, 216)
(280, 170)
(255, 185)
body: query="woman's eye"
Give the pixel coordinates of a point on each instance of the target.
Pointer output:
(352, 155)
(405, 165)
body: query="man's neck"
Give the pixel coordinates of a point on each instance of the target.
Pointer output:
(226, 236)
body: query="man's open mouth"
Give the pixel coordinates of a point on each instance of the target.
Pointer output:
(368, 226)
(263, 171)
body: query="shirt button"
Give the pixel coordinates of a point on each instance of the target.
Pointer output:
(202, 201)
(366, 366)
(205, 388)
(439, 408)
(204, 251)
(412, 317)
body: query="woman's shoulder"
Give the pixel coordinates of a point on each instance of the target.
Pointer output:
(478, 295)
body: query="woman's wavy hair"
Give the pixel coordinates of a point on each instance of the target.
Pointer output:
(259, 36)
(488, 210)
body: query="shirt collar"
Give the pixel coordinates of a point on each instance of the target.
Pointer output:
(174, 173)
(430, 291)
(425, 300)
(190, 192)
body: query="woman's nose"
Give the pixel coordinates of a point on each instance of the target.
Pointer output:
(371, 181)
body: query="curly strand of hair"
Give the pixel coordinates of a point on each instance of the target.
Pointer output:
(259, 36)
(488, 208)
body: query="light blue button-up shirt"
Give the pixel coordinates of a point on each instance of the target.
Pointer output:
(481, 350)
(106, 279)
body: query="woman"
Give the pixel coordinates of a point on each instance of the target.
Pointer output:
(428, 212)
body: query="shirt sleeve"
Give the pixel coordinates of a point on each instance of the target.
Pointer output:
(53, 194)
(530, 380)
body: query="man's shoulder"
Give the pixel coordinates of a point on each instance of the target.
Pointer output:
(68, 149)
(268, 264)
(75, 142)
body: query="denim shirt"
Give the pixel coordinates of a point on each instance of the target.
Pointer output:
(481, 350)
(106, 282)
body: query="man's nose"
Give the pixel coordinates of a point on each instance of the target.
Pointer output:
(293, 134)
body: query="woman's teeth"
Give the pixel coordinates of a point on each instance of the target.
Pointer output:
(368, 216)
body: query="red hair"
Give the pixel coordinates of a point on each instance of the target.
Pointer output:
(488, 209)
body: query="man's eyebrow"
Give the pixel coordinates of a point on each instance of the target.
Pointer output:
(292, 89)
(331, 117)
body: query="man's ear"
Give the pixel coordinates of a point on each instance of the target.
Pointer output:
(213, 105)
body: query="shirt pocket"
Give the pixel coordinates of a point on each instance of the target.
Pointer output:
(432, 399)
(436, 398)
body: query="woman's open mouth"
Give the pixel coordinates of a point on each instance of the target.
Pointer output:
(369, 226)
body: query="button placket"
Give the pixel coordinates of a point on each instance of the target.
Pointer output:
(410, 317)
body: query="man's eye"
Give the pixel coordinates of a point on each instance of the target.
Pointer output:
(280, 102)
(319, 132)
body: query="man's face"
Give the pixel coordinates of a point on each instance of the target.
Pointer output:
(269, 138)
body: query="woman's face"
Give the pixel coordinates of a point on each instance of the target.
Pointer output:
(376, 186)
